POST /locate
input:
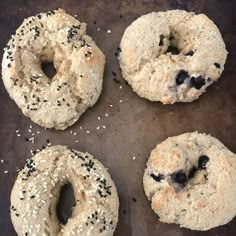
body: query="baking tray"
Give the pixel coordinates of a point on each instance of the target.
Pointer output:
(134, 125)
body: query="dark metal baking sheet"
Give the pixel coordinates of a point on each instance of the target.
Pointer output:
(134, 126)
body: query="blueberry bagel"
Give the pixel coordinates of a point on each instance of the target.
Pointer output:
(172, 56)
(190, 180)
(36, 192)
(61, 39)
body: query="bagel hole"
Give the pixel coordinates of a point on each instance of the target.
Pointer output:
(48, 69)
(65, 203)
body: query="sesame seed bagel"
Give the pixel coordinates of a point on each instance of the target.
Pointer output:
(36, 191)
(61, 39)
(172, 56)
(190, 180)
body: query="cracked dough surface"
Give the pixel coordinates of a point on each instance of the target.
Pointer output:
(150, 67)
(207, 198)
(59, 38)
(36, 192)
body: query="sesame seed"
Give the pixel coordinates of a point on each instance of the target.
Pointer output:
(134, 157)
(98, 29)
(18, 135)
(6, 171)
(106, 114)
(104, 127)
(120, 87)
(17, 131)
(87, 131)
(81, 127)
(2, 161)
(99, 118)
(110, 105)
(109, 31)
(121, 101)
(76, 141)
(98, 128)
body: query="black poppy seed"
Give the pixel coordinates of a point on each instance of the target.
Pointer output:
(134, 199)
(217, 65)
(21, 198)
(157, 178)
(190, 53)
(161, 43)
(114, 73)
(124, 212)
(8, 65)
(95, 22)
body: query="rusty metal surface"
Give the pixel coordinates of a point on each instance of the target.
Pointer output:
(133, 127)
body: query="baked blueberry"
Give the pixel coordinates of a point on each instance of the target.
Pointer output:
(217, 65)
(197, 82)
(157, 178)
(181, 77)
(173, 50)
(179, 177)
(202, 161)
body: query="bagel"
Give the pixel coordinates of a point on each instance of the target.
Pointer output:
(190, 180)
(61, 39)
(36, 191)
(172, 56)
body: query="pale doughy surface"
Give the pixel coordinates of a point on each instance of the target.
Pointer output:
(150, 64)
(186, 190)
(59, 38)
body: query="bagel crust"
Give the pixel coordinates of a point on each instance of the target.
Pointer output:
(36, 192)
(172, 56)
(190, 180)
(61, 39)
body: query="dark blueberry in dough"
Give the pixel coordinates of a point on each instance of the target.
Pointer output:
(173, 50)
(192, 172)
(161, 43)
(190, 53)
(197, 82)
(181, 77)
(217, 65)
(179, 177)
(202, 161)
(157, 178)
